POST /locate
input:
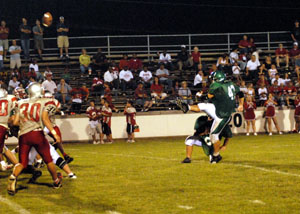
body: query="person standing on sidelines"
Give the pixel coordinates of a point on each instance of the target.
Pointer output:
(130, 113)
(249, 115)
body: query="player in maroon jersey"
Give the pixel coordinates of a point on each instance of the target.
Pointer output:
(94, 124)
(270, 114)
(297, 113)
(32, 116)
(106, 113)
(130, 113)
(249, 114)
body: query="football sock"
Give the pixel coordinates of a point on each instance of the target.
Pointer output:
(64, 154)
(216, 154)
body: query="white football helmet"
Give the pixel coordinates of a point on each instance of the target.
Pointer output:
(35, 90)
(48, 94)
(3, 93)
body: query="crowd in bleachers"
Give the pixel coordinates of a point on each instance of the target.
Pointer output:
(185, 76)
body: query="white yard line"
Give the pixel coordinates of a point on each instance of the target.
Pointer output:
(258, 202)
(112, 212)
(185, 207)
(13, 206)
(231, 164)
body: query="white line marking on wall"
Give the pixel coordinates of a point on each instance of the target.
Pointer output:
(13, 206)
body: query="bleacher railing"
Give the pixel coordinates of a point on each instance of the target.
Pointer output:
(151, 44)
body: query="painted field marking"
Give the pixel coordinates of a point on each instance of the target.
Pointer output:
(258, 202)
(185, 207)
(15, 207)
(231, 164)
(112, 212)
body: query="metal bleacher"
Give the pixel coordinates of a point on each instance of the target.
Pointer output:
(211, 46)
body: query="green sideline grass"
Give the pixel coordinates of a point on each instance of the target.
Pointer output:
(257, 175)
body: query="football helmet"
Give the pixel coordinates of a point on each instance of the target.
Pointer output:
(219, 76)
(48, 94)
(20, 93)
(3, 93)
(35, 90)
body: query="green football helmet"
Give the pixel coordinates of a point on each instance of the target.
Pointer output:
(219, 76)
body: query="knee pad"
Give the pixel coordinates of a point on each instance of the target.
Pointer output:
(61, 163)
(189, 142)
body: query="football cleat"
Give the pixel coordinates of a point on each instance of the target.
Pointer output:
(215, 159)
(183, 106)
(36, 174)
(58, 184)
(68, 159)
(12, 183)
(39, 165)
(186, 160)
(72, 176)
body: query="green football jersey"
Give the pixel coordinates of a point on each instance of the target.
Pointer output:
(224, 97)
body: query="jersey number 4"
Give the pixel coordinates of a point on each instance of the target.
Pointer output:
(31, 112)
(231, 91)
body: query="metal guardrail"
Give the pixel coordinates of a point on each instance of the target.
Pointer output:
(151, 44)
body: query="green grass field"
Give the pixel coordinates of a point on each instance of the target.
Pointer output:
(257, 175)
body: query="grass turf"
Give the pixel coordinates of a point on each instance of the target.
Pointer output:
(257, 175)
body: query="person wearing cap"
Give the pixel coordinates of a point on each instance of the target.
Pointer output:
(296, 32)
(62, 37)
(183, 58)
(49, 84)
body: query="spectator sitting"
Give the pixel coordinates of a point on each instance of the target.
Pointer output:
(262, 80)
(3, 84)
(66, 75)
(78, 95)
(13, 83)
(198, 79)
(236, 71)
(86, 92)
(100, 61)
(97, 85)
(63, 92)
(23, 77)
(279, 80)
(15, 73)
(286, 79)
(183, 59)
(252, 45)
(4, 32)
(294, 55)
(31, 73)
(146, 77)
(112, 78)
(277, 92)
(203, 91)
(85, 61)
(175, 89)
(272, 72)
(15, 59)
(47, 71)
(166, 59)
(124, 62)
(135, 64)
(142, 98)
(252, 69)
(185, 94)
(25, 32)
(267, 64)
(163, 75)
(1, 58)
(244, 45)
(126, 79)
(34, 65)
(290, 93)
(234, 57)
(49, 84)
(296, 32)
(196, 57)
(107, 95)
(282, 54)
(263, 94)
(157, 90)
(223, 63)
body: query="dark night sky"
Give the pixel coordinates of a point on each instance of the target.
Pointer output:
(113, 17)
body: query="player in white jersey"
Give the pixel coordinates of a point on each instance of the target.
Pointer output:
(7, 104)
(32, 117)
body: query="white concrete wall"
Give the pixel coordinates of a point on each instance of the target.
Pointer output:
(162, 125)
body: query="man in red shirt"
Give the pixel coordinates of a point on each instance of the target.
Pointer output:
(141, 98)
(4, 31)
(290, 93)
(196, 56)
(79, 94)
(281, 55)
(124, 62)
(135, 64)
(261, 80)
(277, 91)
(295, 56)
(244, 45)
(157, 90)
(97, 85)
